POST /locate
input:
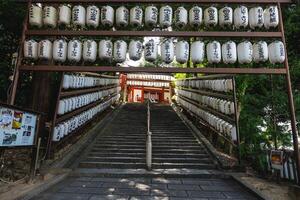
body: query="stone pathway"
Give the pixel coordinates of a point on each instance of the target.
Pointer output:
(89, 188)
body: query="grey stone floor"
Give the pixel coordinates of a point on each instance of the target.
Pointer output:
(89, 188)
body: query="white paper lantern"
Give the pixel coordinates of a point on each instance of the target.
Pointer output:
(271, 17)
(56, 134)
(59, 50)
(260, 52)
(197, 52)
(120, 50)
(276, 52)
(31, 49)
(89, 51)
(150, 51)
(165, 16)
(61, 107)
(225, 16)
(36, 15)
(136, 16)
(213, 51)
(151, 16)
(181, 17)
(256, 17)
(66, 82)
(78, 16)
(105, 49)
(135, 50)
(182, 51)
(195, 16)
(245, 52)
(241, 17)
(167, 51)
(45, 50)
(92, 16)
(229, 54)
(122, 16)
(50, 16)
(211, 16)
(64, 15)
(107, 16)
(74, 50)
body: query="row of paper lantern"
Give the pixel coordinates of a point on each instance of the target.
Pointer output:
(63, 129)
(69, 104)
(217, 123)
(150, 77)
(148, 83)
(229, 52)
(224, 106)
(73, 82)
(92, 16)
(219, 85)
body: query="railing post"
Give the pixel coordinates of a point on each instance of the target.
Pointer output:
(149, 140)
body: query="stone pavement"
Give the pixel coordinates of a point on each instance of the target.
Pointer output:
(90, 188)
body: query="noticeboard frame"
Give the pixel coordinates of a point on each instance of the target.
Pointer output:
(36, 132)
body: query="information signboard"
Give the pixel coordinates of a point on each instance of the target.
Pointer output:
(17, 126)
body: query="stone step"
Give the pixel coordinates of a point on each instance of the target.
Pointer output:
(154, 155)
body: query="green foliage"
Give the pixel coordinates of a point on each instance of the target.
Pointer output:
(11, 17)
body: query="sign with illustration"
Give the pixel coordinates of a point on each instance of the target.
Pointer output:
(17, 127)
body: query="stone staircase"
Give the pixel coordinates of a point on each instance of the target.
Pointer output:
(122, 143)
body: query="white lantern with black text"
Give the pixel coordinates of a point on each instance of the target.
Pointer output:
(276, 52)
(45, 50)
(271, 17)
(241, 18)
(59, 50)
(122, 16)
(150, 51)
(74, 50)
(50, 16)
(195, 16)
(136, 16)
(64, 15)
(260, 52)
(197, 52)
(211, 16)
(181, 17)
(89, 51)
(56, 134)
(225, 16)
(92, 16)
(107, 16)
(256, 17)
(105, 50)
(167, 51)
(151, 16)
(135, 50)
(182, 51)
(36, 15)
(165, 16)
(213, 51)
(61, 107)
(120, 50)
(229, 54)
(31, 49)
(78, 16)
(245, 52)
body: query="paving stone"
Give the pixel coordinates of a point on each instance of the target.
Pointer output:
(149, 198)
(183, 187)
(86, 190)
(132, 191)
(62, 196)
(167, 181)
(205, 194)
(178, 198)
(239, 194)
(218, 188)
(193, 181)
(169, 193)
(86, 184)
(159, 186)
(108, 197)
